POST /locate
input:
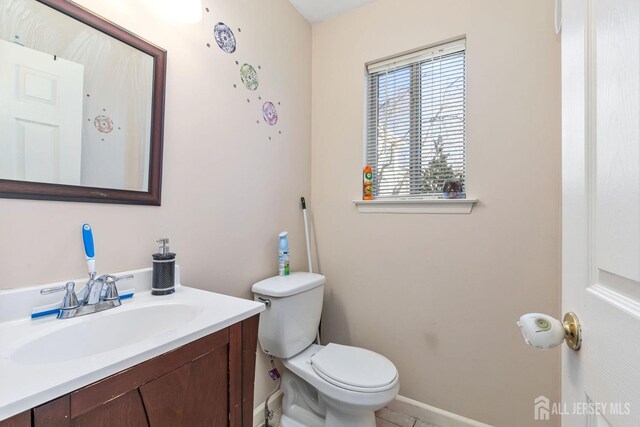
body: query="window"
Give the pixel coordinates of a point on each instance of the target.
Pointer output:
(416, 122)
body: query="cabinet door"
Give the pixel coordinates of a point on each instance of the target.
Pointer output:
(194, 395)
(124, 411)
(53, 414)
(20, 420)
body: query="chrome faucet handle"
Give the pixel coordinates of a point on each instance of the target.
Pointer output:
(110, 289)
(104, 277)
(70, 299)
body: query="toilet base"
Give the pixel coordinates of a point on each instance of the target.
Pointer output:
(337, 418)
(303, 405)
(286, 421)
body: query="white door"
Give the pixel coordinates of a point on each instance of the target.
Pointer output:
(601, 210)
(40, 116)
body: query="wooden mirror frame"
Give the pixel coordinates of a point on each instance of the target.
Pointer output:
(42, 191)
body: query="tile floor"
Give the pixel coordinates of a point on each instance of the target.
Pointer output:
(385, 417)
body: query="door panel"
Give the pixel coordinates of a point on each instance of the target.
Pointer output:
(601, 210)
(618, 137)
(611, 365)
(36, 148)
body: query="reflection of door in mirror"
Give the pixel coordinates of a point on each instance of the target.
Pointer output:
(40, 116)
(114, 84)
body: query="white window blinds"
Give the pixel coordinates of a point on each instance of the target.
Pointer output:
(416, 122)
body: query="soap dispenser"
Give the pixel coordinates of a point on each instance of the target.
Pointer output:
(164, 270)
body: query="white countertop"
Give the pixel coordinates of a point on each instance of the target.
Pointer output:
(26, 383)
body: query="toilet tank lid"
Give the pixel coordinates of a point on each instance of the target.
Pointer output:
(284, 286)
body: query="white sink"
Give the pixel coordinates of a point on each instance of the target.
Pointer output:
(42, 359)
(110, 330)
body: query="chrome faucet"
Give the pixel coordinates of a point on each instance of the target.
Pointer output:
(99, 294)
(93, 289)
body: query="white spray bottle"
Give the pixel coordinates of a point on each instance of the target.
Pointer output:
(283, 254)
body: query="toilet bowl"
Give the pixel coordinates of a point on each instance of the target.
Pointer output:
(332, 385)
(348, 383)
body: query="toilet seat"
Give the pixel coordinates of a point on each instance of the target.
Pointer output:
(354, 368)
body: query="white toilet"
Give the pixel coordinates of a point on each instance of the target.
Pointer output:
(332, 385)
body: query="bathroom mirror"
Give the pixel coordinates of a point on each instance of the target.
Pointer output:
(81, 106)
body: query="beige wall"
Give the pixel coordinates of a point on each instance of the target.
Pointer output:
(227, 189)
(440, 294)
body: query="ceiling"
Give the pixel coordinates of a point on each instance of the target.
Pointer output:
(319, 10)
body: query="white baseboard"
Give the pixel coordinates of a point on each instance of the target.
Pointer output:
(430, 414)
(275, 404)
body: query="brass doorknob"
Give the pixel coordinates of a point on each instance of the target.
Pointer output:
(573, 330)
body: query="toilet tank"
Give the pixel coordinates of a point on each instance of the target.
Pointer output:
(290, 322)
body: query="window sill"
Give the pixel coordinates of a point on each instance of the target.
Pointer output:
(412, 206)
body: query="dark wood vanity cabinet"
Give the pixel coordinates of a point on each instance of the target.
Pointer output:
(208, 382)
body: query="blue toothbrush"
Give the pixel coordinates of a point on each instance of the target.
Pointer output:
(89, 251)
